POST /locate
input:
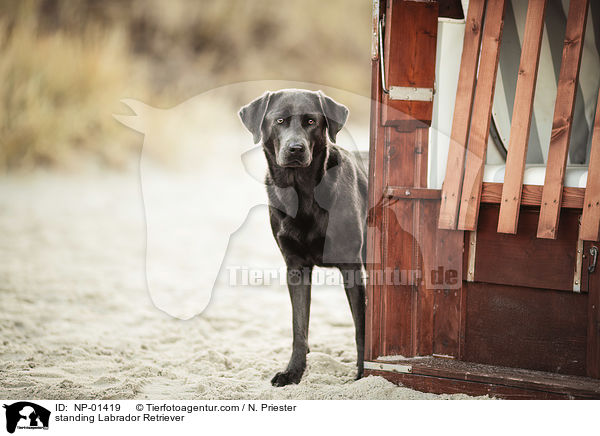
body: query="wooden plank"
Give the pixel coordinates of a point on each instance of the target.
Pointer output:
(397, 318)
(407, 314)
(451, 9)
(439, 258)
(563, 119)
(462, 116)
(443, 385)
(411, 192)
(404, 315)
(503, 376)
(590, 220)
(447, 284)
(523, 259)
(521, 117)
(532, 195)
(482, 112)
(593, 328)
(400, 158)
(425, 259)
(526, 328)
(410, 48)
(374, 220)
(398, 309)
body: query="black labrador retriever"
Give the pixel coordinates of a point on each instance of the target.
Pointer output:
(325, 223)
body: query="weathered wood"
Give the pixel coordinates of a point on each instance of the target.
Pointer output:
(522, 382)
(425, 260)
(400, 162)
(398, 319)
(532, 195)
(482, 112)
(446, 277)
(462, 116)
(590, 220)
(410, 48)
(439, 259)
(521, 117)
(523, 259)
(403, 310)
(411, 192)
(374, 220)
(451, 9)
(444, 385)
(593, 312)
(526, 328)
(563, 119)
(398, 308)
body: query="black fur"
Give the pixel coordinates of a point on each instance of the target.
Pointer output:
(328, 228)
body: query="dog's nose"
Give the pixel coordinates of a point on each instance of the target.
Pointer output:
(295, 148)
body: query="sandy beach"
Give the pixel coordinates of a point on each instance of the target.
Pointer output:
(77, 321)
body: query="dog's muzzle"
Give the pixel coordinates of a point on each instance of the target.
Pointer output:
(295, 154)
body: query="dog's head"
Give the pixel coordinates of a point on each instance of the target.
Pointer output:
(293, 123)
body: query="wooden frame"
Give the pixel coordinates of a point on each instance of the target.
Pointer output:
(527, 328)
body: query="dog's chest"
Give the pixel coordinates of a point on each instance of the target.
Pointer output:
(302, 234)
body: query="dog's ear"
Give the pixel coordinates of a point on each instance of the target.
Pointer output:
(253, 114)
(335, 115)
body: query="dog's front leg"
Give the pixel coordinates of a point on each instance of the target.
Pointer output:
(355, 291)
(299, 283)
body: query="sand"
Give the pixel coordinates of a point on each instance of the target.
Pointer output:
(85, 314)
(77, 321)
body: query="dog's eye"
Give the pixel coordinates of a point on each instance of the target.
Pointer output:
(279, 120)
(311, 121)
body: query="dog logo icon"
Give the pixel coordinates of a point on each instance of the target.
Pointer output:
(26, 415)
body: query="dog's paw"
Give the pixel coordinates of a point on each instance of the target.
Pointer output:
(285, 378)
(359, 373)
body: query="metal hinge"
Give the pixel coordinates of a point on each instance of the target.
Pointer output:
(471, 256)
(578, 264)
(594, 254)
(389, 367)
(410, 93)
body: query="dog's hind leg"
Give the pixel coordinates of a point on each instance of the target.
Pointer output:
(355, 291)
(299, 283)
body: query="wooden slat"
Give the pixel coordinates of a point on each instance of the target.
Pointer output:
(521, 117)
(410, 48)
(462, 116)
(444, 385)
(590, 220)
(563, 119)
(482, 112)
(534, 383)
(526, 260)
(412, 192)
(398, 319)
(532, 195)
(374, 219)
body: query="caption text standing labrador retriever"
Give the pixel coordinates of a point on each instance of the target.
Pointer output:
(326, 218)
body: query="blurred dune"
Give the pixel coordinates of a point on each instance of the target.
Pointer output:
(66, 64)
